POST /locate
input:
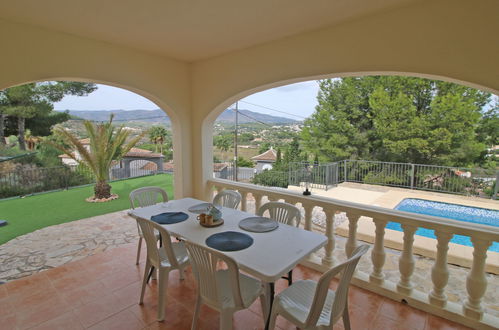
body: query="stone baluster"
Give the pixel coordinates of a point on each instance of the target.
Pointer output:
(328, 259)
(476, 282)
(308, 215)
(258, 201)
(378, 253)
(272, 198)
(440, 271)
(244, 202)
(406, 260)
(351, 243)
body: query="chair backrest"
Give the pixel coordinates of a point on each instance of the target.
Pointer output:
(146, 196)
(148, 228)
(281, 212)
(205, 264)
(340, 298)
(228, 198)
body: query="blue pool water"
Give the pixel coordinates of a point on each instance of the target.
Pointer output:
(449, 211)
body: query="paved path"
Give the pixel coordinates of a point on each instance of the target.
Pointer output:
(56, 245)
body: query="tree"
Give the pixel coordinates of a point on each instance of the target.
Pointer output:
(157, 135)
(3, 114)
(223, 142)
(36, 100)
(243, 162)
(393, 118)
(488, 128)
(264, 147)
(106, 145)
(292, 153)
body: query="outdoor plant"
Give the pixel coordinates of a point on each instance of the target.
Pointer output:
(107, 144)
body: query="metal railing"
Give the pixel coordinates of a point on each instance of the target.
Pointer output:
(29, 181)
(456, 180)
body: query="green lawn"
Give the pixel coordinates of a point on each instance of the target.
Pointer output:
(34, 212)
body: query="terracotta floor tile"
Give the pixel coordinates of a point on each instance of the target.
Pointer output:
(63, 271)
(27, 286)
(256, 307)
(284, 324)
(120, 280)
(72, 281)
(148, 312)
(99, 309)
(6, 306)
(246, 319)
(364, 299)
(8, 321)
(176, 317)
(438, 323)
(102, 292)
(185, 295)
(3, 291)
(124, 320)
(359, 317)
(65, 321)
(385, 323)
(35, 299)
(81, 295)
(404, 314)
(37, 314)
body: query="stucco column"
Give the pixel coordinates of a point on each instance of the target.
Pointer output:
(182, 156)
(202, 156)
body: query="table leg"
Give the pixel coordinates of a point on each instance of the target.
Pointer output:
(270, 292)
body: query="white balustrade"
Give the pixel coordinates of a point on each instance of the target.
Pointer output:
(244, 201)
(378, 253)
(470, 313)
(309, 207)
(328, 260)
(351, 243)
(476, 282)
(440, 271)
(406, 260)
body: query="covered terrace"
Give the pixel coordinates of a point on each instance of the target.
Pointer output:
(194, 59)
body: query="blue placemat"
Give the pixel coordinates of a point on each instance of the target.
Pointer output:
(169, 218)
(229, 241)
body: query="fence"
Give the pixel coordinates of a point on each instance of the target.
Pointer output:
(455, 180)
(227, 171)
(319, 176)
(33, 180)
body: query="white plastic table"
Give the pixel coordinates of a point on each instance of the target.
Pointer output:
(271, 255)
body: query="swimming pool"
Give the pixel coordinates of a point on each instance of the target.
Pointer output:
(449, 211)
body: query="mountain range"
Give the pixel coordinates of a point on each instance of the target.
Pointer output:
(228, 116)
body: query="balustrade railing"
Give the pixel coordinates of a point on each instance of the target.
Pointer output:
(470, 312)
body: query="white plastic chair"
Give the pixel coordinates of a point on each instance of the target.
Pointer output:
(312, 305)
(281, 212)
(143, 197)
(227, 198)
(167, 257)
(225, 290)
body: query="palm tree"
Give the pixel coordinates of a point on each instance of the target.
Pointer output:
(157, 135)
(106, 145)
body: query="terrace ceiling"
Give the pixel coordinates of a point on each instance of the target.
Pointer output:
(189, 30)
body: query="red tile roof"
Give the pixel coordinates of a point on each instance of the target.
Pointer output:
(269, 155)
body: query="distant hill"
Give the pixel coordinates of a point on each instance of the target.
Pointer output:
(159, 116)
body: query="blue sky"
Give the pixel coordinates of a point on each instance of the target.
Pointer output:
(297, 100)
